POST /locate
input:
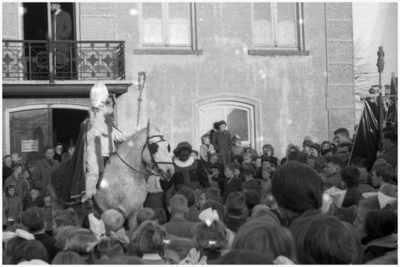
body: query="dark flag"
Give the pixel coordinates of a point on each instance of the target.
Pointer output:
(366, 142)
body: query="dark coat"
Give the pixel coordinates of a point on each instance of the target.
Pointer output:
(33, 203)
(335, 180)
(63, 31)
(57, 157)
(375, 248)
(234, 186)
(14, 208)
(390, 156)
(49, 243)
(42, 172)
(352, 197)
(365, 188)
(6, 173)
(190, 176)
(192, 215)
(180, 227)
(222, 142)
(234, 224)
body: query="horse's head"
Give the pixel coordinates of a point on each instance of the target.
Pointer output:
(157, 153)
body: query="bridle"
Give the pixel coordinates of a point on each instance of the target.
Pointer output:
(153, 148)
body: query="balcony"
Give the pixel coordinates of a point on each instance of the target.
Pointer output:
(32, 60)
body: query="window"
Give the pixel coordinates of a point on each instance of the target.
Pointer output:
(277, 27)
(239, 118)
(168, 25)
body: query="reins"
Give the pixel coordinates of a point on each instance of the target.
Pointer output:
(155, 163)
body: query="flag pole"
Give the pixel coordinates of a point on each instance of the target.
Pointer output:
(380, 64)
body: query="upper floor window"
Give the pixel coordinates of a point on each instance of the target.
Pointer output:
(277, 26)
(167, 24)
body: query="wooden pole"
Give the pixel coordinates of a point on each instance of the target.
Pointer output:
(380, 64)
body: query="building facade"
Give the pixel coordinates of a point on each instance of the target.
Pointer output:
(275, 72)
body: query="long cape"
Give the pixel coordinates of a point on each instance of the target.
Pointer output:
(68, 180)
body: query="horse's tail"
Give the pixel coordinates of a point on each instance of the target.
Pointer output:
(114, 219)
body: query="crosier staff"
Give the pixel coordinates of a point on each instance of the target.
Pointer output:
(141, 83)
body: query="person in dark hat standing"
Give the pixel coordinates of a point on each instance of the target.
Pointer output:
(187, 170)
(223, 143)
(62, 31)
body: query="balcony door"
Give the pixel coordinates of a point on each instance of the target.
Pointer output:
(36, 25)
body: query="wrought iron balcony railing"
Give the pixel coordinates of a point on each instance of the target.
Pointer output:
(65, 60)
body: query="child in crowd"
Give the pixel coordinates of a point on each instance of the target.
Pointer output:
(231, 184)
(21, 186)
(256, 161)
(237, 149)
(209, 194)
(266, 237)
(273, 168)
(16, 158)
(237, 171)
(248, 175)
(144, 214)
(205, 147)
(216, 178)
(177, 249)
(194, 154)
(63, 235)
(47, 216)
(14, 211)
(246, 165)
(79, 241)
(33, 200)
(178, 225)
(235, 206)
(266, 182)
(192, 215)
(254, 185)
(265, 163)
(210, 235)
(238, 161)
(149, 240)
(27, 177)
(382, 174)
(252, 199)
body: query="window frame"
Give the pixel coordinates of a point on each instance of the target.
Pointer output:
(281, 50)
(234, 105)
(164, 49)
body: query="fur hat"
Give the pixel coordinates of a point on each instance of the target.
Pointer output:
(182, 145)
(212, 152)
(221, 123)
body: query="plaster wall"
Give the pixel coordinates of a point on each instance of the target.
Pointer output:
(291, 94)
(291, 90)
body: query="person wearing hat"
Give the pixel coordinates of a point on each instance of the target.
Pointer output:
(100, 136)
(187, 170)
(62, 30)
(216, 178)
(223, 143)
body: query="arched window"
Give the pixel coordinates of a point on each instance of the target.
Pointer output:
(239, 117)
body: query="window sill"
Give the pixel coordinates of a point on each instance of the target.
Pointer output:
(262, 52)
(167, 52)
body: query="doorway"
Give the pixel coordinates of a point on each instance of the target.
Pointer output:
(31, 130)
(66, 125)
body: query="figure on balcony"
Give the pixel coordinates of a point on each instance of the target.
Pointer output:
(62, 30)
(98, 142)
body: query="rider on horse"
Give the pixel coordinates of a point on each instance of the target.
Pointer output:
(98, 142)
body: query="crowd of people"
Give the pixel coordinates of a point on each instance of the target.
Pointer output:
(225, 204)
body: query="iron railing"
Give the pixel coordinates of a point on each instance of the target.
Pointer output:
(71, 60)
